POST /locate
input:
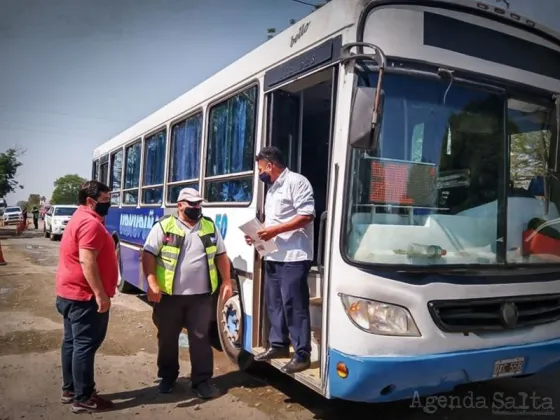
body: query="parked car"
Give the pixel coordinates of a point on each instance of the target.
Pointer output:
(56, 219)
(12, 216)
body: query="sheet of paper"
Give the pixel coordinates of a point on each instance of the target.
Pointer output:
(263, 247)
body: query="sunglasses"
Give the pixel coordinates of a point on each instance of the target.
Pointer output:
(191, 203)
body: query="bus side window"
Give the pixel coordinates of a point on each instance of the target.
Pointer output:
(116, 177)
(184, 160)
(104, 171)
(230, 154)
(154, 168)
(132, 173)
(95, 170)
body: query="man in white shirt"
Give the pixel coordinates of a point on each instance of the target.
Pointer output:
(289, 215)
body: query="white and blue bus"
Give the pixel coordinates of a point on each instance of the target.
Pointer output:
(429, 131)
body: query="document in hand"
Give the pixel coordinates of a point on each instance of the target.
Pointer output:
(263, 247)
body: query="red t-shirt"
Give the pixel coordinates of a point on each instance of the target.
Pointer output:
(85, 230)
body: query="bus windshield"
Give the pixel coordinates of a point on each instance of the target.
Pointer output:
(432, 191)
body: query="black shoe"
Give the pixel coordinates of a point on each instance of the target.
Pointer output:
(297, 364)
(166, 386)
(273, 353)
(204, 390)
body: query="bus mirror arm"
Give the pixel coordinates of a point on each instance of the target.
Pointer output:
(367, 102)
(321, 240)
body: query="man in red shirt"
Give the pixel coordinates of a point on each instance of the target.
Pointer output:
(86, 280)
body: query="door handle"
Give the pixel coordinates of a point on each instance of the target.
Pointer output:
(321, 247)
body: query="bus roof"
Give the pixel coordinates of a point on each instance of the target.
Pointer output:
(333, 18)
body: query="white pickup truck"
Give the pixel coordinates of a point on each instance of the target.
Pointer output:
(56, 219)
(12, 216)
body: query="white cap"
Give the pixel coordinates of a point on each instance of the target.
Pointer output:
(190, 194)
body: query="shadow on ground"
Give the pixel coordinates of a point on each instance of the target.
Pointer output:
(182, 393)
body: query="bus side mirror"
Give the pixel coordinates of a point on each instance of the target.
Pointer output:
(365, 118)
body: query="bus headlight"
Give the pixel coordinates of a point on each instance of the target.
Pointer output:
(379, 317)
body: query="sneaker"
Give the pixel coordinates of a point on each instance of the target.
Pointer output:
(93, 405)
(67, 397)
(166, 386)
(204, 390)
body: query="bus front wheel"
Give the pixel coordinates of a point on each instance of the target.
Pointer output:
(229, 319)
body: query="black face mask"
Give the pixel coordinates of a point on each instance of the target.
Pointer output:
(193, 213)
(102, 208)
(264, 177)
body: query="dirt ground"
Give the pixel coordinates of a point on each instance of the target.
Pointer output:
(31, 332)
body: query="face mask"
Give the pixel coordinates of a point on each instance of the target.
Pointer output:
(193, 213)
(102, 208)
(264, 177)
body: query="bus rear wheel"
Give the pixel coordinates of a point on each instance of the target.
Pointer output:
(229, 319)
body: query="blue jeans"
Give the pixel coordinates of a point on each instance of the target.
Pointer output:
(287, 301)
(84, 332)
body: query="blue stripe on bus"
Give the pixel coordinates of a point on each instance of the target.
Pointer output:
(132, 225)
(383, 379)
(247, 335)
(131, 272)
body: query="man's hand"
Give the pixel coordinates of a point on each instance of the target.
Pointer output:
(103, 302)
(154, 293)
(268, 233)
(226, 290)
(249, 240)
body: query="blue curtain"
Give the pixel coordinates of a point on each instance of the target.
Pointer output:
(132, 170)
(185, 153)
(232, 135)
(155, 159)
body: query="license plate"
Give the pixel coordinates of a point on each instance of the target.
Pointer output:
(509, 367)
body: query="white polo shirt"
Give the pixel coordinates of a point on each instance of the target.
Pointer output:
(289, 196)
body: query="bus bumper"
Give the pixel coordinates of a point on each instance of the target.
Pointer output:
(383, 379)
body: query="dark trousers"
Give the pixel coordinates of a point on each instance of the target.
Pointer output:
(84, 332)
(36, 222)
(287, 301)
(170, 316)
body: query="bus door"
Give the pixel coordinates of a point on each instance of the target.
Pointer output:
(300, 122)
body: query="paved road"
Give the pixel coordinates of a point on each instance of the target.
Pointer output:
(30, 333)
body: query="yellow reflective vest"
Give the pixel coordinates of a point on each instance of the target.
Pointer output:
(173, 239)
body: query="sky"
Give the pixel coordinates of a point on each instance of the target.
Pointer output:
(74, 73)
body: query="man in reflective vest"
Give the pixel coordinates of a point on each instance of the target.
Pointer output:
(182, 257)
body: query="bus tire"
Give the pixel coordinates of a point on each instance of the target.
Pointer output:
(230, 330)
(122, 285)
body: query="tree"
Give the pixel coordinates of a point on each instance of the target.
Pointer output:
(66, 189)
(33, 200)
(529, 156)
(9, 164)
(23, 205)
